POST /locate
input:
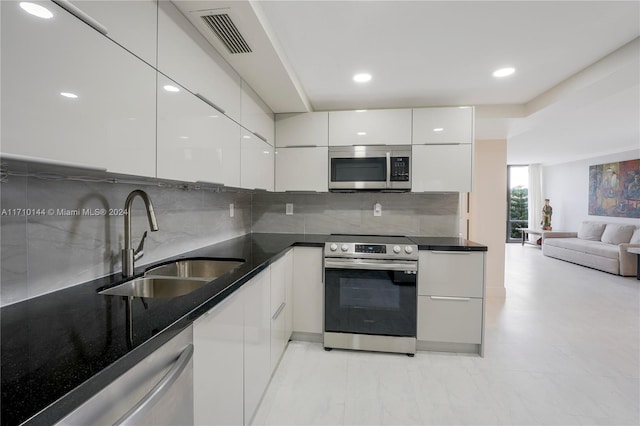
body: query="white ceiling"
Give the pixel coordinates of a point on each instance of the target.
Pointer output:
(561, 103)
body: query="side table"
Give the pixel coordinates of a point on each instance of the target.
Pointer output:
(526, 232)
(636, 251)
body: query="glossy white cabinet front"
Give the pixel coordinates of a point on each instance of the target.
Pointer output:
(187, 57)
(257, 163)
(443, 125)
(302, 129)
(308, 289)
(302, 169)
(370, 127)
(132, 24)
(195, 141)
(441, 168)
(256, 115)
(218, 339)
(71, 95)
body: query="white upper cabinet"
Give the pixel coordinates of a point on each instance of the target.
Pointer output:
(256, 115)
(257, 163)
(441, 168)
(443, 125)
(195, 141)
(370, 127)
(302, 129)
(302, 169)
(132, 24)
(187, 57)
(71, 95)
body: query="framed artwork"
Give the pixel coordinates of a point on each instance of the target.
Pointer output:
(614, 189)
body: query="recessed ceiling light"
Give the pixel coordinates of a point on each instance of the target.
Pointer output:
(361, 133)
(36, 10)
(170, 88)
(247, 137)
(362, 78)
(69, 95)
(361, 110)
(438, 129)
(504, 72)
(184, 137)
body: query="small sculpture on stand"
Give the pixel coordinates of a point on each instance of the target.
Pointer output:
(547, 211)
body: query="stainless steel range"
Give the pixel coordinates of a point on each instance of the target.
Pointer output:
(370, 295)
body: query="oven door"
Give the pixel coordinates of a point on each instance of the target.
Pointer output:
(372, 297)
(358, 172)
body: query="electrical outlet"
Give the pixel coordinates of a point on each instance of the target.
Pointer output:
(377, 209)
(289, 209)
(232, 210)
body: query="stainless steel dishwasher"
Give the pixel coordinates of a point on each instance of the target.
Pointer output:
(157, 391)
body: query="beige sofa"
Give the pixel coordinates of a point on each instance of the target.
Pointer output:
(597, 245)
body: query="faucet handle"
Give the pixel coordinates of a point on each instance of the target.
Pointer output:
(139, 252)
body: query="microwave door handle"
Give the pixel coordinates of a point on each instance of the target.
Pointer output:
(388, 169)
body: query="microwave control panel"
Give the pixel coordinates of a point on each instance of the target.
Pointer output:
(400, 169)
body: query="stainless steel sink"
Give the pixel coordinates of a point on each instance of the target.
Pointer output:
(208, 269)
(174, 279)
(156, 287)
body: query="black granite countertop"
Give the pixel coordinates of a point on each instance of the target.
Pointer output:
(59, 349)
(447, 244)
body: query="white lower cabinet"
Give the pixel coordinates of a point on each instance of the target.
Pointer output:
(195, 141)
(441, 168)
(302, 169)
(281, 272)
(308, 294)
(257, 341)
(218, 364)
(256, 169)
(451, 299)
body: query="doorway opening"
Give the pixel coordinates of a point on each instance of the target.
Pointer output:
(517, 201)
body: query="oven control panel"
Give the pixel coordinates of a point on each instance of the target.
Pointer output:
(371, 248)
(373, 251)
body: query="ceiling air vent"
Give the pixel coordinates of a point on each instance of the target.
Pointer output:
(227, 32)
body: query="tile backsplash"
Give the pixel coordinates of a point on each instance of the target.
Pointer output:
(54, 233)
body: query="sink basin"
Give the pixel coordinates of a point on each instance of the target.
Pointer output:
(156, 287)
(207, 269)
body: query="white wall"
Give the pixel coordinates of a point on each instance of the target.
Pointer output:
(567, 187)
(488, 209)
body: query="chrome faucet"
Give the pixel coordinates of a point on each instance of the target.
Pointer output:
(129, 255)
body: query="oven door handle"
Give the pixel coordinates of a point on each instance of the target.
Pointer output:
(371, 264)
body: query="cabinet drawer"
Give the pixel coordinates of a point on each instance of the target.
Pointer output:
(449, 319)
(451, 273)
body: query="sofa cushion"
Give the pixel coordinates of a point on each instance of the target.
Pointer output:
(616, 233)
(635, 238)
(591, 231)
(597, 248)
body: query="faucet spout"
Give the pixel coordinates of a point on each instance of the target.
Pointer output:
(128, 253)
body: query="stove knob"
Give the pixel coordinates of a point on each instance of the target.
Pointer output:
(344, 247)
(396, 249)
(408, 249)
(333, 247)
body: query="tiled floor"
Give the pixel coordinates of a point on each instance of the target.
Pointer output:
(562, 349)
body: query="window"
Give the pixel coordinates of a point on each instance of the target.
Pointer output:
(517, 201)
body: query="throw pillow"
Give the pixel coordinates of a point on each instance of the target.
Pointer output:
(616, 233)
(635, 238)
(591, 231)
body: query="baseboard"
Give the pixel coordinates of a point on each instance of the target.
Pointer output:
(304, 336)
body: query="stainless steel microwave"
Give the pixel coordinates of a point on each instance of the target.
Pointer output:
(370, 167)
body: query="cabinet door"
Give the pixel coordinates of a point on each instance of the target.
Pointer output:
(444, 168)
(195, 141)
(443, 125)
(74, 95)
(256, 115)
(187, 57)
(308, 289)
(451, 273)
(302, 169)
(278, 316)
(370, 127)
(257, 342)
(131, 24)
(288, 289)
(218, 364)
(302, 129)
(449, 319)
(256, 170)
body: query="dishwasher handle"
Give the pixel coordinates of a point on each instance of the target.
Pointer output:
(145, 405)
